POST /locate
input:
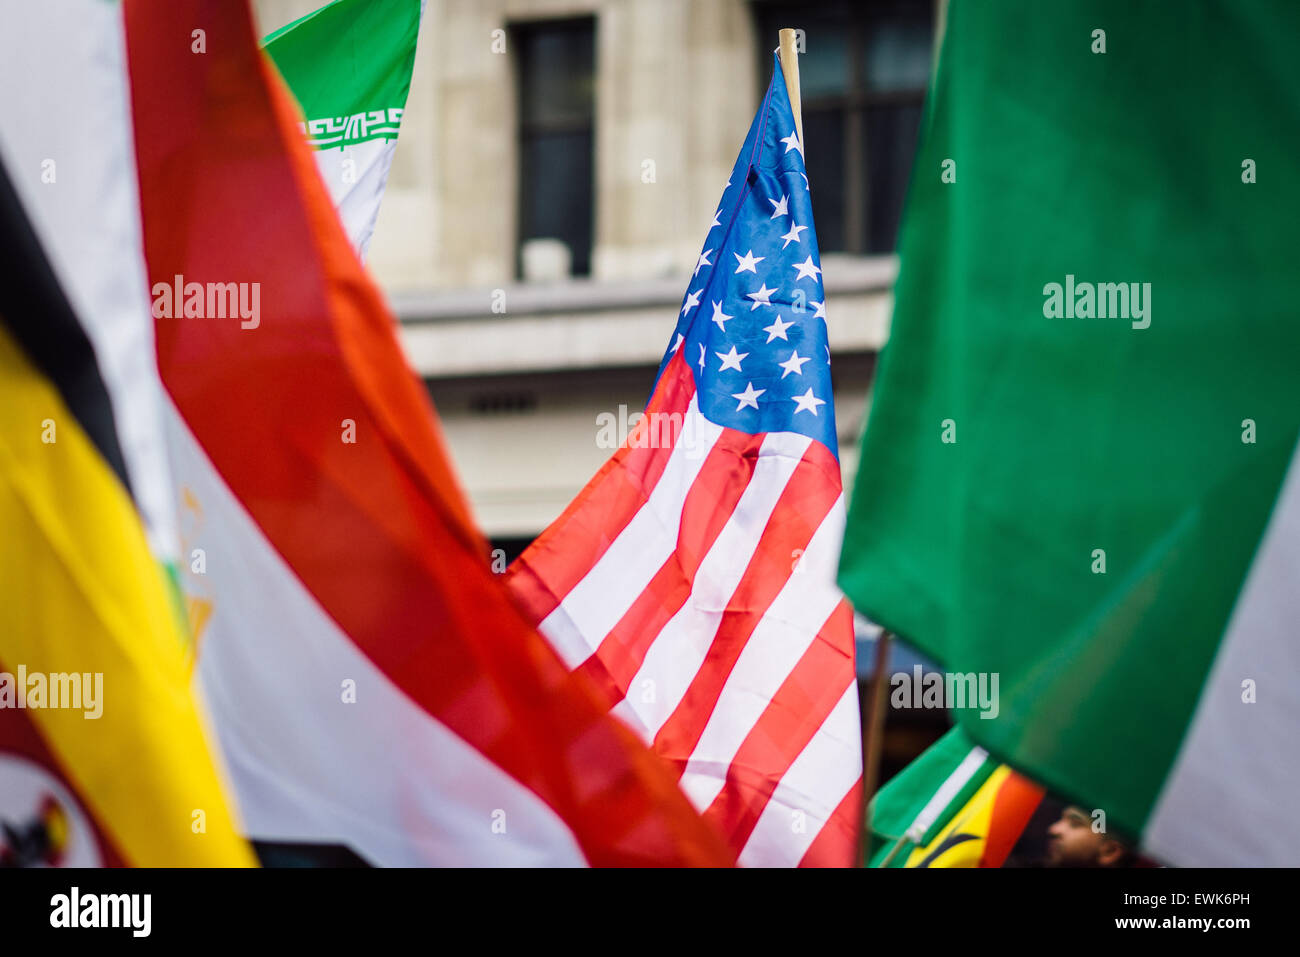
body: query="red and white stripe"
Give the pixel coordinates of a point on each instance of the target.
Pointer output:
(695, 585)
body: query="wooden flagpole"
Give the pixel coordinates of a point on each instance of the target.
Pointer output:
(874, 738)
(790, 68)
(893, 851)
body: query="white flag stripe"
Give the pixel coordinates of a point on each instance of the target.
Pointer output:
(818, 780)
(78, 188)
(1205, 815)
(355, 176)
(785, 632)
(591, 610)
(303, 762)
(676, 655)
(974, 760)
(565, 637)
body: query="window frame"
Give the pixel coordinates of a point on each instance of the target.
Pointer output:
(855, 102)
(525, 128)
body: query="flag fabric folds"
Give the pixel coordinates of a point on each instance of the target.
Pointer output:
(104, 756)
(349, 66)
(692, 580)
(1080, 469)
(954, 806)
(377, 694)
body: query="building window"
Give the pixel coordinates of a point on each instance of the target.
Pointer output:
(556, 96)
(862, 80)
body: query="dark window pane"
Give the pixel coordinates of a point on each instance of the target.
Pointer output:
(897, 55)
(823, 132)
(556, 118)
(557, 73)
(824, 68)
(863, 78)
(557, 192)
(891, 143)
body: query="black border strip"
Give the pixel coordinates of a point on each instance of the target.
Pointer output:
(35, 309)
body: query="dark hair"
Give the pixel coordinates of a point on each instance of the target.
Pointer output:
(1128, 857)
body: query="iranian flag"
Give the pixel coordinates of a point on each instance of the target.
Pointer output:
(377, 696)
(1080, 468)
(349, 66)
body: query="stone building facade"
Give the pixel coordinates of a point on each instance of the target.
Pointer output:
(558, 168)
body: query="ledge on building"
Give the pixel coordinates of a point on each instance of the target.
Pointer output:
(585, 323)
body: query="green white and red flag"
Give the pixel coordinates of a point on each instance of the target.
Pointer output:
(349, 66)
(375, 691)
(1080, 470)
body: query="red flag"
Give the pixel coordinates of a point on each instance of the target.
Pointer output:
(372, 684)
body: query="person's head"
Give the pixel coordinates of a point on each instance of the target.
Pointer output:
(1071, 842)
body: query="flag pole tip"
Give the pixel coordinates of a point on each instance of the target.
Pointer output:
(789, 51)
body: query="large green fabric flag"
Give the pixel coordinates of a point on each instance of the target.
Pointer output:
(349, 66)
(1078, 469)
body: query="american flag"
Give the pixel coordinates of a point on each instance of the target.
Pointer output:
(693, 579)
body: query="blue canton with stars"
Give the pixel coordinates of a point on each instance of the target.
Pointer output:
(753, 324)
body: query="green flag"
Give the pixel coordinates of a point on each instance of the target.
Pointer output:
(920, 800)
(1077, 471)
(349, 66)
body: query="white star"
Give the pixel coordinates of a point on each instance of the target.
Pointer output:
(761, 298)
(806, 270)
(748, 397)
(792, 142)
(704, 261)
(781, 209)
(807, 402)
(692, 300)
(820, 308)
(777, 329)
(794, 364)
(747, 262)
(793, 234)
(719, 318)
(731, 360)
(701, 357)
(678, 344)
(715, 218)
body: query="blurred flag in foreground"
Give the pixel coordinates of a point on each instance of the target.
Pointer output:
(954, 806)
(377, 694)
(1080, 468)
(693, 578)
(349, 65)
(103, 756)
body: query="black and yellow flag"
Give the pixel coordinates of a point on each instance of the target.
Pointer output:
(104, 759)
